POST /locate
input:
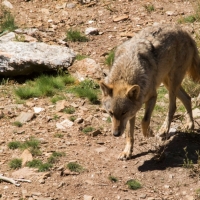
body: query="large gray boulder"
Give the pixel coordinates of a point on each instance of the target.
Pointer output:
(20, 58)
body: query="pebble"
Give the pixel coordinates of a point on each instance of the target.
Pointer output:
(87, 197)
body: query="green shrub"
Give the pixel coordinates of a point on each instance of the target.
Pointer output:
(88, 129)
(45, 167)
(15, 163)
(74, 167)
(75, 36)
(43, 86)
(35, 163)
(14, 145)
(133, 184)
(87, 88)
(7, 21)
(17, 123)
(110, 58)
(112, 178)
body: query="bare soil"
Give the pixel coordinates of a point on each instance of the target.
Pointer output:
(158, 166)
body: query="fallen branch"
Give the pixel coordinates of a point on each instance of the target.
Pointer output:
(10, 180)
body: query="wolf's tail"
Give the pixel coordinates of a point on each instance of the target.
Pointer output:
(194, 70)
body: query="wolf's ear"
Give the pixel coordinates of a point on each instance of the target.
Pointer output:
(133, 92)
(106, 89)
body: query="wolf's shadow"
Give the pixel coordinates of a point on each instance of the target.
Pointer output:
(173, 154)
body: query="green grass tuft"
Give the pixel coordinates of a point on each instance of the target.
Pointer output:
(113, 179)
(14, 145)
(15, 163)
(17, 123)
(110, 58)
(56, 98)
(75, 36)
(45, 167)
(133, 184)
(7, 21)
(88, 129)
(75, 167)
(149, 8)
(58, 135)
(87, 88)
(80, 57)
(69, 110)
(35, 163)
(43, 86)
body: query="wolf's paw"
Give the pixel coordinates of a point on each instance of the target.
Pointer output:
(124, 156)
(189, 125)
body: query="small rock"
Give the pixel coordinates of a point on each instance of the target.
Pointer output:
(7, 4)
(26, 156)
(25, 117)
(71, 5)
(7, 37)
(38, 109)
(166, 186)
(79, 120)
(41, 181)
(120, 18)
(196, 113)
(143, 196)
(170, 13)
(60, 105)
(91, 31)
(95, 133)
(46, 175)
(68, 172)
(64, 124)
(87, 197)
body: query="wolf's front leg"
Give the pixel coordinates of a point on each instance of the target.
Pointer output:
(126, 154)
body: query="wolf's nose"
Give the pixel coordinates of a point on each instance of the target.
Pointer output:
(117, 133)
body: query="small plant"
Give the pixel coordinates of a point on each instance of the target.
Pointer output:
(19, 38)
(187, 163)
(35, 163)
(57, 98)
(56, 117)
(43, 86)
(17, 123)
(75, 36)
(110, 58)
(69, 110)
(87, 88)
(44, 167)
(88, 129)
(108, 120)
(80, 57)
(7, 22)
(4, 81)
(15, 163)
(33, 145)
(133, 184)
(72, 118)
(14, 145)
(198, 193)
(113, 179)
(74, 167)
(54, 157)
(58, 135)
(149, 8)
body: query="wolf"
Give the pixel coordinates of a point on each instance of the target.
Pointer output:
(157, 54)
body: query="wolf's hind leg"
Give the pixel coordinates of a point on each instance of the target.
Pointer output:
(126, 154)
(149, 106)
(186, 100)
(163, 131)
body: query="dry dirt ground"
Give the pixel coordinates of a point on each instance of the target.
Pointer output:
(157, 166)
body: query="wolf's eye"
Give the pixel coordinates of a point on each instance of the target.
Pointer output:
(123, 113)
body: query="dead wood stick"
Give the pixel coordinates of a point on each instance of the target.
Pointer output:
(10, 180)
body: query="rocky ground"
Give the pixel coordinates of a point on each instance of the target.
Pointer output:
(157, 166)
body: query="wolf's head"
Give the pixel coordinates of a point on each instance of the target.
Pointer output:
(122, 102)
